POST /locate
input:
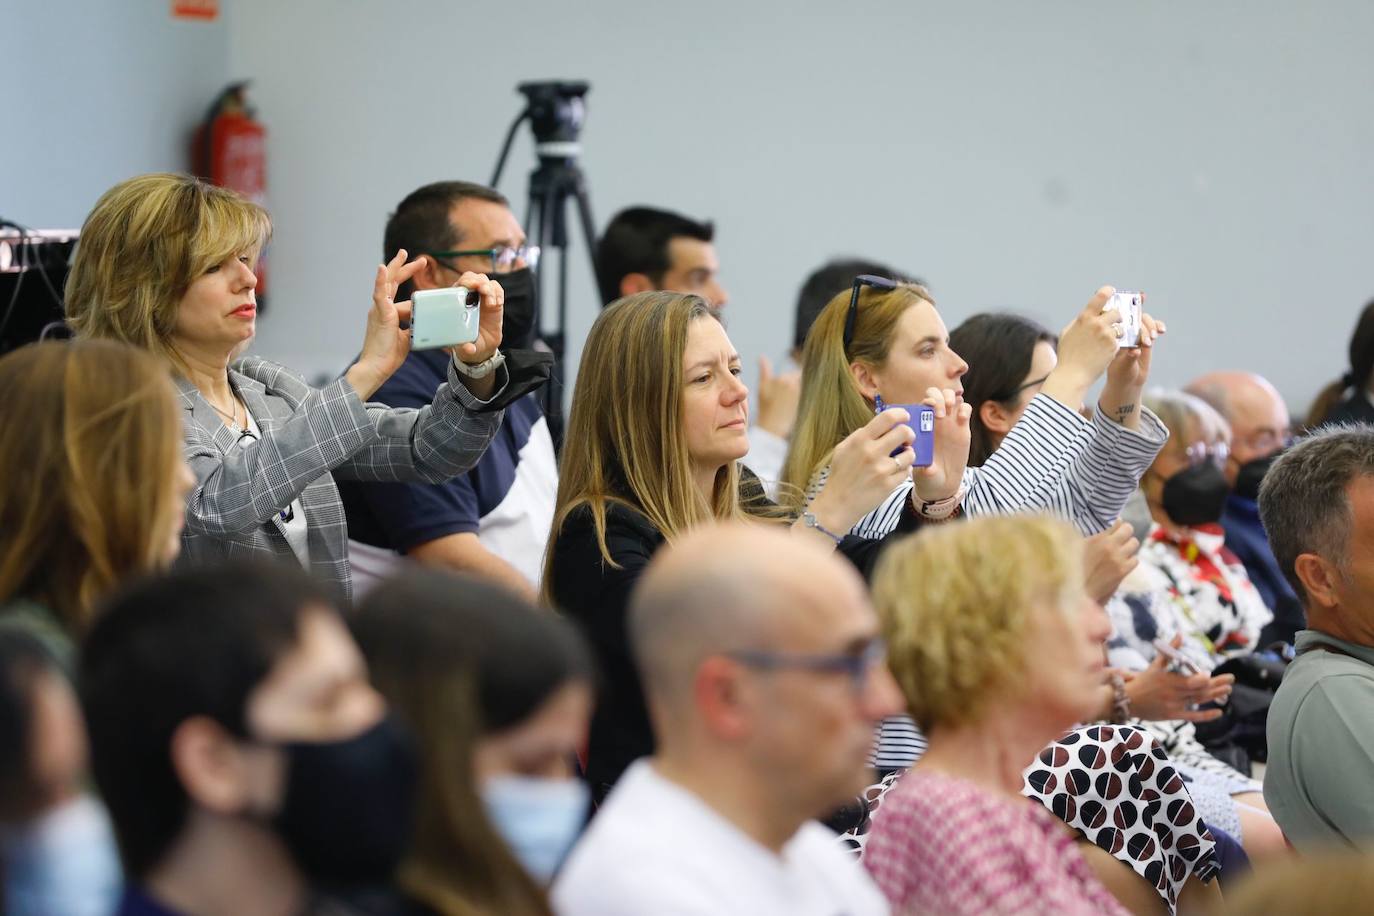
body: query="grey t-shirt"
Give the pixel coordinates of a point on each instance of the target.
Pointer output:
(1319, 782)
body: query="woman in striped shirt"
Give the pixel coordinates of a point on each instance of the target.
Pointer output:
(1051, 459)
(895, 349)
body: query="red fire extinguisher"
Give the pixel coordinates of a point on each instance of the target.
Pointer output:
(230, 149)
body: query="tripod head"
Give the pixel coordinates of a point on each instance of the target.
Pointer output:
(556, 111)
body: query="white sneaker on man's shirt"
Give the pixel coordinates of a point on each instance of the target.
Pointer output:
(656, 848)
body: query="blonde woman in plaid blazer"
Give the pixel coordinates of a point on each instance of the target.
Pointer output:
(165, 262)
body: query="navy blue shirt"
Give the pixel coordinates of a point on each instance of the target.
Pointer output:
(1245, 538)
(137, 902)
(507, 499)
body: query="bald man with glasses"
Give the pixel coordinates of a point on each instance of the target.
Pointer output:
(764, 675)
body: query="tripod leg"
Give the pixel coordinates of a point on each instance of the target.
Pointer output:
(551, 397)
(584, 215)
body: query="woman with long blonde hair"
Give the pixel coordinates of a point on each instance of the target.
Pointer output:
(92, 482)
(92, 493)
(889, 344)
(658, 423)
(166, 263)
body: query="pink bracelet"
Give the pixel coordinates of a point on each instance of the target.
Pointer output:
(940, 509)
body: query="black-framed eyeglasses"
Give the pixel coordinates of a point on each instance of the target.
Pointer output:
(856, 665)
(1017, 393)
(502, 259)
(861, 281)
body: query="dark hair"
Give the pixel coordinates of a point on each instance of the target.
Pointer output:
(22, 659)
(636, 242)
(1302, 501)
(421, 222)
(1361, 366)
(998, 348)
(166, 649)
(459, 658)
(827, 282)
(427, 619)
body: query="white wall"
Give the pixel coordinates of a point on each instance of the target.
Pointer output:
(1216, 155)
(97, 91)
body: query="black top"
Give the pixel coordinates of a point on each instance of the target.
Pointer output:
(1356, 408)
(597, 596)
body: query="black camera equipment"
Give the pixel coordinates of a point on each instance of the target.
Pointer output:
(555, 111)
(33, 271)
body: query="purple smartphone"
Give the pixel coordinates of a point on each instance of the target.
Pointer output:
(922, 423)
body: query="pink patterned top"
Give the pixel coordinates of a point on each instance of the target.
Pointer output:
(945, 845)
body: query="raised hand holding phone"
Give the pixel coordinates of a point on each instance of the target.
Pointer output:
(1086, 347)
(940, 477)
(385, 343)
(865, 467)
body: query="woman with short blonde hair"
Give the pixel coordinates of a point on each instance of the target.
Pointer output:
(92, 481)
(958, 612)
(998, 650)
(182, 229)
(165, 262)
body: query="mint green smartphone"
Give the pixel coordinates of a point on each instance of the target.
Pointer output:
(443, 317)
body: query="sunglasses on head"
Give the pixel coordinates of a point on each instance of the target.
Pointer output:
(861, 281)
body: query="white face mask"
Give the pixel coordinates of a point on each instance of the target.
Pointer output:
(64, 862)
(539, 819)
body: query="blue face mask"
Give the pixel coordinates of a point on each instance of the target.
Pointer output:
(65, 862)
(539, 819)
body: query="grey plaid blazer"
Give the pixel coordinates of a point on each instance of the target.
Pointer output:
(308, 435)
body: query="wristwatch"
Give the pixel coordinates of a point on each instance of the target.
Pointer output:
(480, 370)
(940, 509)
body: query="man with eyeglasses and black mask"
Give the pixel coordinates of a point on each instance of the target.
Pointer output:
(494, 521)
(1260, 431)
(247, 763)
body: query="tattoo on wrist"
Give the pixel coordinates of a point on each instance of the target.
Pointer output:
(1124, 411)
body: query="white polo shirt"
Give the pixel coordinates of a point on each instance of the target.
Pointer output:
(656, 848)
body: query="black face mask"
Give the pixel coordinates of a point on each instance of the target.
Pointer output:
(1195, 496)
(347, 812)
(1251, 475)
(520, 312)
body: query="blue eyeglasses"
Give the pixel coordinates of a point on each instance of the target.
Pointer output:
(856, 665)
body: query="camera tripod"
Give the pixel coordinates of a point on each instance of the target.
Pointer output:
(555, 111)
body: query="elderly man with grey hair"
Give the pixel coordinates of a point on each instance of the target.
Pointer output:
(764, 675)
(1317, 504)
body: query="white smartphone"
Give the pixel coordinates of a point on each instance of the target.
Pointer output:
(443, 317)
(1178, 662)
(1129, 306)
